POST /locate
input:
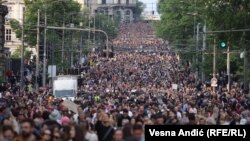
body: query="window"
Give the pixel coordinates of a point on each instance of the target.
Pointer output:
(127, 2)
(119, 1)
(8, 35)
(127, 12)
(103, 1)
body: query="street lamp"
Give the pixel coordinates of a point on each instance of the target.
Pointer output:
(45, 42)
(196, 38)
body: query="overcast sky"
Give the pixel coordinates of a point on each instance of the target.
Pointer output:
(150, 5)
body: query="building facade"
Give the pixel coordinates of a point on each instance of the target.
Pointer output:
(122, 9)
(16, 9)
(81, 2)
(3, 13)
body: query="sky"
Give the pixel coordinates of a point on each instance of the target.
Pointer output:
(150, 6)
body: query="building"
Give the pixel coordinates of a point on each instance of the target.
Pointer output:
(16, 9)
(3, 54)
(122, 9)
(81, 2)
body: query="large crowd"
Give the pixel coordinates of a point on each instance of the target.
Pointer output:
(117, 97)
(137, 35)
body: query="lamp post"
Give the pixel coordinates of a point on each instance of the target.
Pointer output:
(79, 29)
(45, 43)
(22, 57)
(196, 38)
(37, 48)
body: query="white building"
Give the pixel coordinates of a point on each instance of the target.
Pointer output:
(81, 2)
(16, 9)
(118, 8)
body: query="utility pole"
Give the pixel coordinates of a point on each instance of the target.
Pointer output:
(80, 50)
(80, 54)
(196, 50)
(44, 51)
(71, 50)
(203, 50)
(94, 32)
(214, 58)
(37, 48)
(79, 29)
(22, 57)
(89, 28)
(245, 69)
(214, 61)
(71, 43)
(62, 59)
(228, 67)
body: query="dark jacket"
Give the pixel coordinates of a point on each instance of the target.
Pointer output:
(102, 130)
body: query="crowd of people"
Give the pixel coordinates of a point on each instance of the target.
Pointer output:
(117, 97)
(137, 35)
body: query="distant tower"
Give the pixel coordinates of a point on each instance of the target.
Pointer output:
(3, 13)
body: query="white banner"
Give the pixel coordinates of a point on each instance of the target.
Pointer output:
(52, 71)
(174, 86)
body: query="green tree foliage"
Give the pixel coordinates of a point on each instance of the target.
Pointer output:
(17, 53)
(59, 13)
(177, 26)
(140, 6)
(105, 23)
(56, 12)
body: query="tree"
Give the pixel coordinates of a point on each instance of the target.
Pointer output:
(56, 12)
(140, 6)
(106, 24)
(177, 26)
(17, 53)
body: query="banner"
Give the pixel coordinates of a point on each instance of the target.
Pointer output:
(174, 86)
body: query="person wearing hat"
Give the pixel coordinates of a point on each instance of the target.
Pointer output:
(65, 121)
(55, 115)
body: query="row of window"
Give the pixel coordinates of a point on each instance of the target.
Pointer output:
(8, 35)
(89, 2)
(8, 31)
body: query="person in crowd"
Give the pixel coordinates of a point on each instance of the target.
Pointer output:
(127, 132)
(46, 135)
(76, 133)
(144, 83)
(88, 134)
(122, 117)
(138, 133)
(118, 135)
(8, 133)
(103, 127)
(27, 131)
(57, 136)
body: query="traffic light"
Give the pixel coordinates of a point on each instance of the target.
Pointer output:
(223, 44)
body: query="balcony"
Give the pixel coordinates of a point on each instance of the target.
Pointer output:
(114, 3)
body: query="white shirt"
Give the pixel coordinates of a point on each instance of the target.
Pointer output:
(178, 115)
(91, 136)
(75, 117)
(193, 110)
